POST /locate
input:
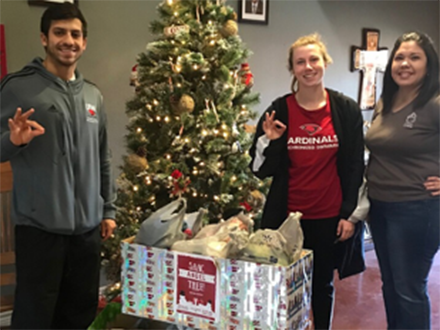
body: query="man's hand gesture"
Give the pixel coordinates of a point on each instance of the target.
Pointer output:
(23, 130)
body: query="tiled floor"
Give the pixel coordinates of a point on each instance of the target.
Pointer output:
(359, 303)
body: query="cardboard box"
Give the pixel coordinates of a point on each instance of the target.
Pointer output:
(210, 293)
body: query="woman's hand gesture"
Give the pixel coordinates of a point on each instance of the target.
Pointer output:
(273, 129)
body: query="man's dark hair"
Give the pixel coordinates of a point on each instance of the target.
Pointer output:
(430, 84)
(61, 11)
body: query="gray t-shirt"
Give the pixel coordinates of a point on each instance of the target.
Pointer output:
(404, 149)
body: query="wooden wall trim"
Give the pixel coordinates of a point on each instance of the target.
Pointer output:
(5, 177)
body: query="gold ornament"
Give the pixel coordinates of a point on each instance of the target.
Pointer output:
(234, 16)
(137, 163)
(177, 68)
(184, 105)
(230, 28)
(251, 129)
(256, 199)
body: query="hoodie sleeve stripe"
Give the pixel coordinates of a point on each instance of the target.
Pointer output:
(262, 144)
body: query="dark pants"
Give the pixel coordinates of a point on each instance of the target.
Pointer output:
(57, 279)
(320, 236)
(406, 238)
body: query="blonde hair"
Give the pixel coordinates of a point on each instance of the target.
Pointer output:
(311, 39)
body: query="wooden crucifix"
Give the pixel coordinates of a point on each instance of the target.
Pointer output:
(3, 70)
(369, 59)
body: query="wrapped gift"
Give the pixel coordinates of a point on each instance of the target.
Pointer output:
(213, 293)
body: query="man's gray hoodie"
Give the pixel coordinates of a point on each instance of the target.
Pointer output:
(62, 179)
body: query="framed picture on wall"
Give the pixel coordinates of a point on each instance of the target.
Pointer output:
(253, 11)
(49, 2)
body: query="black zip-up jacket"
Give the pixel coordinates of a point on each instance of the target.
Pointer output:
(347, 122)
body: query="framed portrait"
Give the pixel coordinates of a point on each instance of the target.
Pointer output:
(49, 2)
(253, 11)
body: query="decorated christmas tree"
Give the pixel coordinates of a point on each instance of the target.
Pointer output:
(187, 133)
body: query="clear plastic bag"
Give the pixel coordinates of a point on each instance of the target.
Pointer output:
(238, 222)
(221, 240)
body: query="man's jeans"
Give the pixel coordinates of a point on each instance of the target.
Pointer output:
(406, 238)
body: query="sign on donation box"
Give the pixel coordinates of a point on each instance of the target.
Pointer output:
(197, 286)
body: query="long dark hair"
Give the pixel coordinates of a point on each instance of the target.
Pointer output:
(430, 85)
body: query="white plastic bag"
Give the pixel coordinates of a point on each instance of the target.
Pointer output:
(282, 246)
(163, 227)
(194, 220)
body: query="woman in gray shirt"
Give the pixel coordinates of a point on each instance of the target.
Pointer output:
(403, 179)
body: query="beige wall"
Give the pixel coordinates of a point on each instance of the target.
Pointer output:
(118, 31)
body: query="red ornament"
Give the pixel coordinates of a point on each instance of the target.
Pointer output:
(246, 206)
(180, 187)
(248, 78)
(180, 183)
(246, 75)
(102, 302)
(176, 174)
(134, 76)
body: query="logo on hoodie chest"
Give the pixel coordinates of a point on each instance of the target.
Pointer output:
(91, 114)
